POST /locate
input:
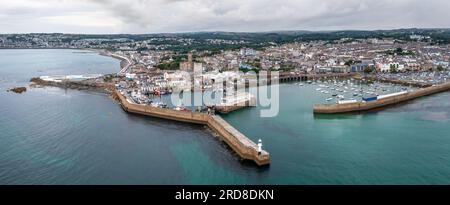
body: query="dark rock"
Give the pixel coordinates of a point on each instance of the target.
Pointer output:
(18, 90)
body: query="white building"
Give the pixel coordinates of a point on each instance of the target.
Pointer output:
(386, 67)
(130, 76)
(198, 67)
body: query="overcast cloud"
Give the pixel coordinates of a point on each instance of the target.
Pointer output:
(155, 16)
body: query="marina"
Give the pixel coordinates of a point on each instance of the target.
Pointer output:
(339, 91)
(379, 101)
(385, 92)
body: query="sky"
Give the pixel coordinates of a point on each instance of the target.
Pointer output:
(169, 16)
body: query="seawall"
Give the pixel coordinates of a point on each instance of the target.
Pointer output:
(125, 63)
(243, 146)
(236, 106)
(399, 82)
(364, 106)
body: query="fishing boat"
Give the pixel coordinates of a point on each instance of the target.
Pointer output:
(370, 98)
(181, 108)
(158, 104)
(157, 92)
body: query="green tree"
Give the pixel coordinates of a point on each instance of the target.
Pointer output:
(368, 69)
(393, 69)
(349, 62)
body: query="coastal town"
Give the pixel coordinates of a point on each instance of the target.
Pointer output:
(414, 53)
(245, 94)
(351, 74)
(152, 68)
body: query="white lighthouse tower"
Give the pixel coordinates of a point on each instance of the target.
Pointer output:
(259, 146)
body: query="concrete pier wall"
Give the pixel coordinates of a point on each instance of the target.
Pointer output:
(363, 106)
(233, 107)
(399, 82)
(243, 146)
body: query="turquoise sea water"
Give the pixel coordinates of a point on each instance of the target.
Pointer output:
(404, 144)
(57, 136)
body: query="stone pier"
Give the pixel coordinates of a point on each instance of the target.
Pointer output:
(364, 106)
(237, 141)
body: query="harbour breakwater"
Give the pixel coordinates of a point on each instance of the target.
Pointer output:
(364, 106)
(239, 103)
(240, 144)
(394, 81)
(229, 109)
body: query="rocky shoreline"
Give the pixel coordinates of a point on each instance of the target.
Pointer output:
(90, 85)
(18, 90)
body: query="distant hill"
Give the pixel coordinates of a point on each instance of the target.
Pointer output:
(232, 40)
(441, 35)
